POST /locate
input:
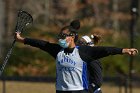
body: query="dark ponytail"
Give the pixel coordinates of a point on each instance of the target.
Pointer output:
(96, 38)
(75, 24)
(74, 27)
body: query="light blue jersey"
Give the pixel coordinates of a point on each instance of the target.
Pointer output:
(71, 71)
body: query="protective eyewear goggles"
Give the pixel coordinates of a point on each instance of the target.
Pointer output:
(63, 35)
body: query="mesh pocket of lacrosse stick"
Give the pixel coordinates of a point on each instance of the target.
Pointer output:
(23, 19)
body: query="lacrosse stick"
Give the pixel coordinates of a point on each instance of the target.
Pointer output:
(23, 19)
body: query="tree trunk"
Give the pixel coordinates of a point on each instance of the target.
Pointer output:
(115, 10)
(2, 27)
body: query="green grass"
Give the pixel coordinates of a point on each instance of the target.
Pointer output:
(38, 87)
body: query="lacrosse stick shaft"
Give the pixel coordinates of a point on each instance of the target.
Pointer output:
(7, 57)
(23, 19)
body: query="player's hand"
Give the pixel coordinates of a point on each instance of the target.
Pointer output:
(131, 51)
(18, 37)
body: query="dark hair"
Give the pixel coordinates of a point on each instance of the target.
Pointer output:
(96, 38)
(73, 28)
(75, 25)
(89, 40)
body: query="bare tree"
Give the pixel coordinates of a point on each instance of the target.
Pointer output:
(2, 5)
(115, 10)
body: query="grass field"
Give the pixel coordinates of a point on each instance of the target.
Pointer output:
(36, 87)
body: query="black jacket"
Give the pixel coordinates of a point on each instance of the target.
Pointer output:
(87, 54)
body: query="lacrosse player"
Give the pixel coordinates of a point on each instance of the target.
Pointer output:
(71, 60)
(94, 68)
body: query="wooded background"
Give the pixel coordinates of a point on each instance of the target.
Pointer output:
(108, 18)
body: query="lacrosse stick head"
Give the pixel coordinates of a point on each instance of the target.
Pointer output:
(23, 19)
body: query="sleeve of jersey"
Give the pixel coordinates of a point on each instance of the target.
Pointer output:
(93, 53)
(99, 52)
(51, 48)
